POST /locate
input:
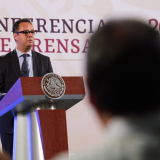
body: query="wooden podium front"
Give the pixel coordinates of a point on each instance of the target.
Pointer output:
(31, 107)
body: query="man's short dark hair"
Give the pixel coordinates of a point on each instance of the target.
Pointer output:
(123, 67)
(16, 24)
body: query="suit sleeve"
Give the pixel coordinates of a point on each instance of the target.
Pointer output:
(1, 77)
(50, 70)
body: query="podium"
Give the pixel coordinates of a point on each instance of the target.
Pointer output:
(40, 130)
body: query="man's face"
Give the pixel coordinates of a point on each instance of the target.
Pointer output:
(24, 41)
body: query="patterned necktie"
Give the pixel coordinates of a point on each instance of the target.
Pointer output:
(24, 68)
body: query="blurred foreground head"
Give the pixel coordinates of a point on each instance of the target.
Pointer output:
(123, 68)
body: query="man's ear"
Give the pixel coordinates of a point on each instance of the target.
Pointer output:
(92, 97)
(103, 116)
(15, 36)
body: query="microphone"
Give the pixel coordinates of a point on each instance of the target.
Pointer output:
(2, 95)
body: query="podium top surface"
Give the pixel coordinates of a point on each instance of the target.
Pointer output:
(27, 92)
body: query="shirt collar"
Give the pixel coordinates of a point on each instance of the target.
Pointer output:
(19, 53)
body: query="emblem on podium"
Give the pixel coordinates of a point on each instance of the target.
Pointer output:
(53, 86)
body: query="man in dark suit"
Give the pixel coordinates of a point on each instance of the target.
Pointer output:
(22, 61)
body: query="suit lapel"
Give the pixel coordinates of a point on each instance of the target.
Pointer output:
(35, 64)
(15, 63)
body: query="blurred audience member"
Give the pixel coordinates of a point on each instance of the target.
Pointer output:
(123, 76)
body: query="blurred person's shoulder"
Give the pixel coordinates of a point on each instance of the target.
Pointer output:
(136, 146)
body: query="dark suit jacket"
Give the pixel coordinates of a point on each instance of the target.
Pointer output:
(9, 74)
